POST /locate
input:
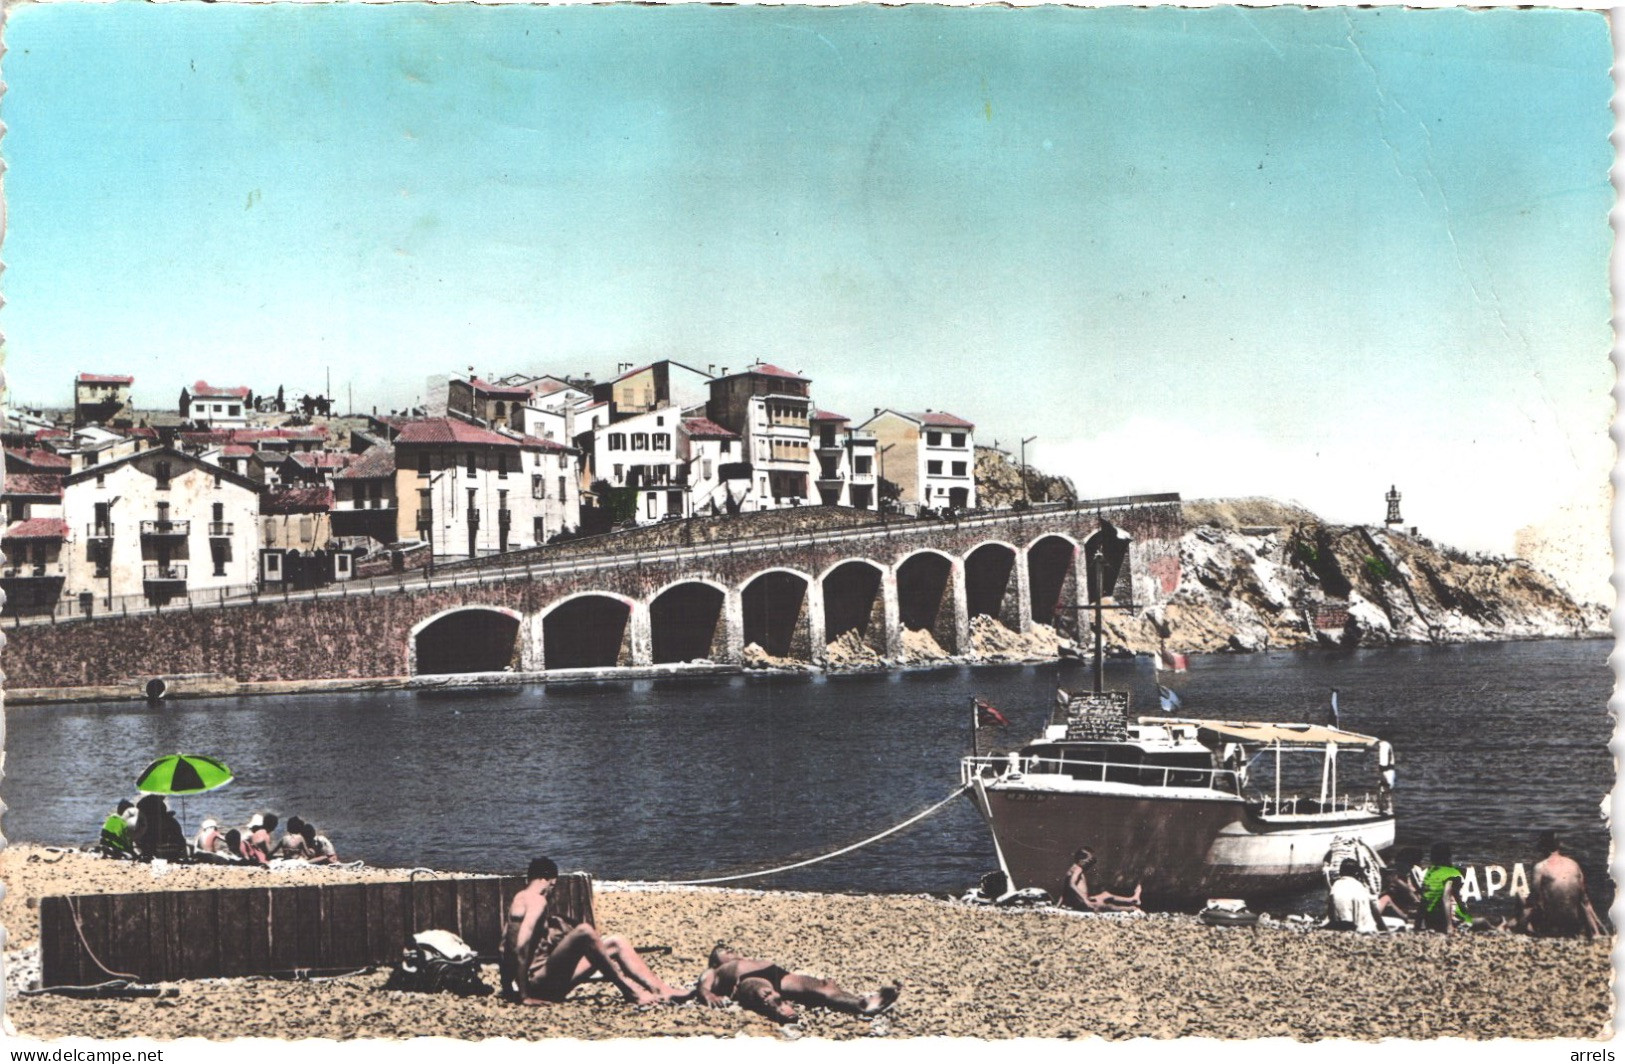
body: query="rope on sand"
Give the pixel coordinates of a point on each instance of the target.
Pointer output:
(916, 818)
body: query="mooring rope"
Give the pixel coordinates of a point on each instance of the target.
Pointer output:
(916, 818)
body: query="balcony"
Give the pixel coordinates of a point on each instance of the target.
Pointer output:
(831, 481)
(166, 529)
(220, 529)
(160, 573)
(34, 571)
(95, 531)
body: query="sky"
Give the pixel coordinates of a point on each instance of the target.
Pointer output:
(1300, 254)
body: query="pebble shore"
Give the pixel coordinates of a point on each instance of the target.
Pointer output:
(966, 971)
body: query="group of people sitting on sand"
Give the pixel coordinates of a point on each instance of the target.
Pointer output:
(1429, 898)
(545, 956)
(147, 829)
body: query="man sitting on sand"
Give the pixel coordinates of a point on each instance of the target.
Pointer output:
(1558, 905)
(318, 848)
(1075, 893)
(544, 957)
(768, 989)
(1349, 904)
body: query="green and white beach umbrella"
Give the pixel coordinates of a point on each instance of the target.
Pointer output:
(183, 774)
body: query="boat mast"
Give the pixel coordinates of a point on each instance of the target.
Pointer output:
(1100, 620)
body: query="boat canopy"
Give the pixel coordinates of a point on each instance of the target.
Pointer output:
(1265, 732)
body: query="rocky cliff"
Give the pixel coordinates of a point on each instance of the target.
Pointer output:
(1257, 574)
(998, 482)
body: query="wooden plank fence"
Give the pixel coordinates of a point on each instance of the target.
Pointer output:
(159, 936)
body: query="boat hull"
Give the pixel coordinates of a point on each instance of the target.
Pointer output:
(1181, 849)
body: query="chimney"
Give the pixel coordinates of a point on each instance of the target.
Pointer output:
(877, 411)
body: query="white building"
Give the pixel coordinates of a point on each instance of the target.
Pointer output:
(639, 458)
(472, 491)
(158, 526)
(207, 405)
(719, 479)
(930, 456)
(843, 462)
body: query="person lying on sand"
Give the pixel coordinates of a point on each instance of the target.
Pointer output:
(768, 989)
(544, 957)
(1558, 905)
(1075, 892)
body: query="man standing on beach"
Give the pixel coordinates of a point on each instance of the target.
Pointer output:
(544, 957)
(1558, 905)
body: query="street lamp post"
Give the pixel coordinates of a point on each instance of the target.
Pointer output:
(1026, 493)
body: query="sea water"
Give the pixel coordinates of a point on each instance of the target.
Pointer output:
(694, 778)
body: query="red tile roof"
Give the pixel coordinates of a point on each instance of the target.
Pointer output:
(433, 430)
(37, 457)
(767, 369)
(322, 459)
(34, 484)
(536, 443)
(499, 391)
(104, 378)
(236, 450)
(38, 528)
(825, 415)
(940, 419)
(297, 501)
(699, 428)
(205, 390)
(51, 434)
(205, 436)
(369, 465)
(146, 432)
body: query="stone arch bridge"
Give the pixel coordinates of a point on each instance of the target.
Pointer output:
(789, 595)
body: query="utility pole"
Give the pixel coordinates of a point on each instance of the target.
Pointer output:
(880, 489)
(1025, 493)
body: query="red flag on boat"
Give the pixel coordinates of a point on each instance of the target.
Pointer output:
(987, 714)
(1176, 662)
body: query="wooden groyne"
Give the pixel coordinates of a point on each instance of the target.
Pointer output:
(160, 936)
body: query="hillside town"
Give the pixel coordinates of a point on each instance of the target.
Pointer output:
(112, 507)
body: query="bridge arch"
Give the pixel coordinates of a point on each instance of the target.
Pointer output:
(465, 639)
(1105, 554)
(589, 630)
(925, 596)
(686, 621)
(775, 610)
(990, 583)
(1052, 580)
(854, 601)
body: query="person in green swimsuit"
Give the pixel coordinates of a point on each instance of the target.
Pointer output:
(1442, 909)
(115, 841)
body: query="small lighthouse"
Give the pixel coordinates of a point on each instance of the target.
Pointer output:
(1393, 508)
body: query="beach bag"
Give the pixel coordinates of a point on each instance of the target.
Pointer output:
(438, 962)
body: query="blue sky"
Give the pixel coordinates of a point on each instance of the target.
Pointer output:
(1284, 252)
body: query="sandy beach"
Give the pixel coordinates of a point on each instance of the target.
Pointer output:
(966, 971)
